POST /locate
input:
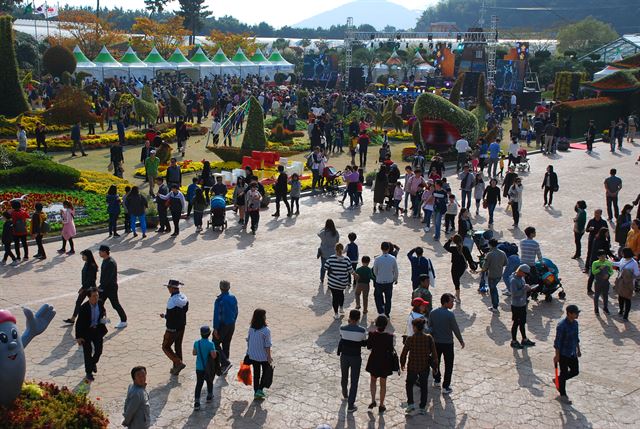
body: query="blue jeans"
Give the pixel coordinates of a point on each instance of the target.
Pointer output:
(427, 217)
(493, 291)
(437, 221)
(143, 223)
(466, 195)
(415, 200)
(383, 303)
(350, 364)
(492, 208)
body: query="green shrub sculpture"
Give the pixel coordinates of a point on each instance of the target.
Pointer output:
(176, 107)
(431, 106)
(254, 138)
(484, 106)
(57, 60)
(13, 101)
(456, 90)
(71, 105)
(146, 107)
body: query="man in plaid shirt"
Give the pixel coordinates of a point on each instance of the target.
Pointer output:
(422, 352)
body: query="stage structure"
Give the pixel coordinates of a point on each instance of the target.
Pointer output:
(487, 38)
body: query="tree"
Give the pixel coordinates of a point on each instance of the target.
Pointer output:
(585, 35)
(14, 101)
(57, 60)
(155, 6)
(254, 138)
(367, 58)
(230, 42)
(165, 36)
(87, 31)
(280, 44)
(193, 12)
(27, 52)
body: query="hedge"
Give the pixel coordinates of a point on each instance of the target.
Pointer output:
(566, 83)
(602, 110)
(254, 138)
(39, 172)
(14, 101)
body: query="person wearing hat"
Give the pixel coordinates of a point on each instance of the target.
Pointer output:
(519, 289)
(418, 310)
(567, 350)
(151, 165)
(422, 352)
(109, 284)
(176, 319)
(203, 349)
(422, 291)
(225, 314)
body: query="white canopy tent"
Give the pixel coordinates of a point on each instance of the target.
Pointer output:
(203, 63)
(222, 64)
(605, 72)
(155, 62)
(280, 64)
(264, 65)
(107, 65)
(83, 64)
(135, 66)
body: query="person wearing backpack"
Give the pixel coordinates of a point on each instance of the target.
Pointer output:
(19, 218)
(39, 226)
(203, 350)
(624, 285)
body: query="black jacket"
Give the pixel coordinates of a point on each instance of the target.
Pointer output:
(145, 153)
(7, 232)
(280, 187)
(89, 274)
(116, 154)
(109, 274)
(553, 181)
(176, 314)
(83, 324)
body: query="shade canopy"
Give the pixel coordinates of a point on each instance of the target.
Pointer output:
(131, 59)
(394, 59)
(276, 59)
(105, 59)
(200, 58)
(155, 60)
(81, 59)
(220, 59)
(259, 58)
(240, 58)
(179, 60)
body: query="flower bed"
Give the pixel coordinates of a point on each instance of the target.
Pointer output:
(99, 183)
(45, 405)
(63, 143)
(399, 136)
(9, 127)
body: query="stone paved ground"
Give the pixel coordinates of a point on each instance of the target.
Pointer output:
(493, 384)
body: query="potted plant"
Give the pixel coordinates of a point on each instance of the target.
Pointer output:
(152, 215)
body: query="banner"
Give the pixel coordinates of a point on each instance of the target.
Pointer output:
(47, 11)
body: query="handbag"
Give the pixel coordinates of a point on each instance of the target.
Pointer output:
(110, 167)
(485, 204)
(244, 374)
(624, 282)
(267, 376)
(395, 361)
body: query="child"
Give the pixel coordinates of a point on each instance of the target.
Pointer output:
(352, 252)
(7, 239)
(433, 174)
(602, 270)
(475, 161)
(38, 230)
(408, 174)
(445, 185)
(450, 216)
(203, 349)
(364, 276)
(422, 291)
(125, 210)
(501, 166)
(345, 174)
(398, 193)
(191, 192)
(296, 188)
(427, 201)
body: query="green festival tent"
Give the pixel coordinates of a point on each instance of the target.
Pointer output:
(280, 64)
(202, 62)
(179, 60)
(222, 63)
(82, 62)
(245, 66)
(264, 66)
(155, 61)
(108, 65)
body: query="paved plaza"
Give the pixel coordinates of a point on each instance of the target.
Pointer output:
(493, 384)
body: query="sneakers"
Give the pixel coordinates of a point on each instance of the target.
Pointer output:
(336, 316)
(196, 406)
(516, 345)
(447, 391)
(436, 384)
(121, 325)
(176, 369)
(410, 409)
(209, 398)
(564, 399)
(493, 310)
(372, 405)
(426, 229)
(341, 311)
(528, 343)
(259, 394)
(352, 408)
(422, 411)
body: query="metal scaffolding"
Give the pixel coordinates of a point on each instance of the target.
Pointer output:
(348, 50)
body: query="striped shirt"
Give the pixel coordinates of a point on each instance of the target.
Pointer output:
(339, 269)
(257, 342)
(529, 250)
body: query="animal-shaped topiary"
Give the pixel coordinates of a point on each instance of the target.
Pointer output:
(431, 106)
(456, 90)
(145, 106)
(483, 107)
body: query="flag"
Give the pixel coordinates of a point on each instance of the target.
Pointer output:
(40, 10)
(51, 12)
(28, 9)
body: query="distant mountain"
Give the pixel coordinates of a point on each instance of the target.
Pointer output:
(379, 13)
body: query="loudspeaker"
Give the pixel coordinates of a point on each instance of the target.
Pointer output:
(470, 87)
(356, 79)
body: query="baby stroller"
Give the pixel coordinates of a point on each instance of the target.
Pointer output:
(331, 180)
(523, 161)
(546, 276)
(218, 213)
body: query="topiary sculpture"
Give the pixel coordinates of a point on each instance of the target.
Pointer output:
(145, 106)
(431, 106)
(14, 101)
(57, 60)
(176, 107)
(483, 107)
(456, 90)
(254, 138)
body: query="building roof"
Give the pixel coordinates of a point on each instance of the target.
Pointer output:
(625, 46)
(620, 81)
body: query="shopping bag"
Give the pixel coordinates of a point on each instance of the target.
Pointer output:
(557, 378)
(244, 374)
